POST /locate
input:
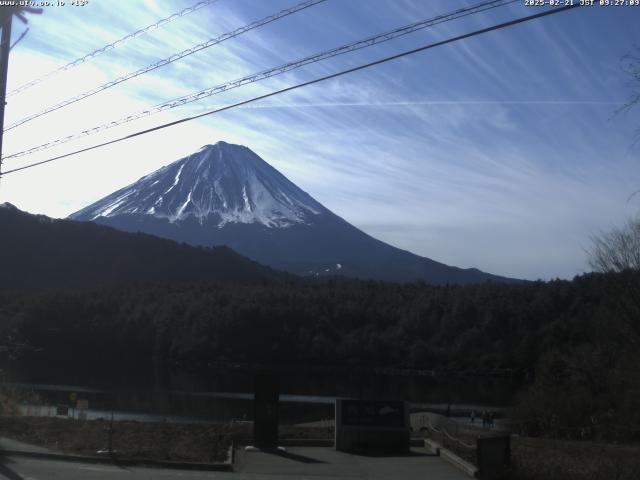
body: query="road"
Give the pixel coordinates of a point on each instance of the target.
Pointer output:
(23, 468)
(298, 462)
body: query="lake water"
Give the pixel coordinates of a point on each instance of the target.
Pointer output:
(148, 394)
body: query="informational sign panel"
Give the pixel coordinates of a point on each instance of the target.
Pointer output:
(265, 419)
(82, 405)
(359, 413)
(62, 410)
(372, 425)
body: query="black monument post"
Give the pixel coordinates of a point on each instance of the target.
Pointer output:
(494, 457)
(265, 418)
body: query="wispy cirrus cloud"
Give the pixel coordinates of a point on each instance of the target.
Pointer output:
(500, 152)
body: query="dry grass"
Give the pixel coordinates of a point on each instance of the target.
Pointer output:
(157, 441)
(544, 459)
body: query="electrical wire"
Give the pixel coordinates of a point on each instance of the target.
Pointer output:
(350, 47)
(304, 84)
(111, 46)
(168, 60)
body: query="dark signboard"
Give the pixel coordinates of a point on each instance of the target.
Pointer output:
(364, 413)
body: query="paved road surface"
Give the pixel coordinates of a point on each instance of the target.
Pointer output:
(297, 463)
(325, 463)
(22, 468)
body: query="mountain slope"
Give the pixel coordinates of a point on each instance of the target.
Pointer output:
(40, 252)
(219, 184)
(227, 195)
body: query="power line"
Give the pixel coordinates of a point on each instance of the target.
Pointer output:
(304, 84)
(350, 47)
(111, 46)
(168, 60)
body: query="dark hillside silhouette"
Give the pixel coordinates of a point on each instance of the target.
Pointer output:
(40, 252)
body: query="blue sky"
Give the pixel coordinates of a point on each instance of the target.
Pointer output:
(501, 152)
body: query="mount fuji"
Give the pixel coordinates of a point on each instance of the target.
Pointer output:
(225, 194)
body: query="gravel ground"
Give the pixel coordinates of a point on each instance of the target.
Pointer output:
(157, 441)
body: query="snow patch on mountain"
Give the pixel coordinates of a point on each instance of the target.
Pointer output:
(223, 182)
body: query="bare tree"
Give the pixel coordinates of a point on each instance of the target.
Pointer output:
(617, 250)
(631, 66)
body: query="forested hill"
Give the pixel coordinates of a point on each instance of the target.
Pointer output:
(474, 328)
(40, 252)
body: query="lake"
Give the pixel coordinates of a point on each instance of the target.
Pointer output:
(147, 394)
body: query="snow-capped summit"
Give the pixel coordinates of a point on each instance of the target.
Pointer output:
(221, 183)
(227, 195)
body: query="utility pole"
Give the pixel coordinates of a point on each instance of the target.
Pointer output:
(6, 18)
(5, 46)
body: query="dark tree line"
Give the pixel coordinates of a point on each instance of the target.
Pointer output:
(475, 328)
(575, 342)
